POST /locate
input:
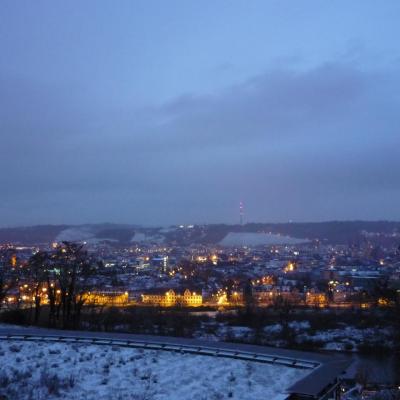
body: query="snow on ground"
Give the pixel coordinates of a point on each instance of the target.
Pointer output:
(140, 237)
(167, 229)
(81, 234)
(75, 234)
(346, 338)
(235, 332)
(257, 239)
(31, 370)
(10, 326)
(299, 325)
(275, 328)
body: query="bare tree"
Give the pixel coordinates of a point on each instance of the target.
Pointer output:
(8, 277)
(363, 375)
(74, 272)
(36, 272)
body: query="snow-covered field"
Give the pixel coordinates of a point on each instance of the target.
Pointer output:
(75, 234)
(80, 234)
(257, 239)
(30, 370)
(348, 337)
(140, 237)
(345, 338)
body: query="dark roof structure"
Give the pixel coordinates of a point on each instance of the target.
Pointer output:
(320, 380)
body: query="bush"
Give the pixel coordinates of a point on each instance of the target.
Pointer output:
(4, 379)
(15, 348)
(348, 346)
(367, 347)
(16, 317)
(51, 382)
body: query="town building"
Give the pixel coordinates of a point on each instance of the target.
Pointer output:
(172, 297)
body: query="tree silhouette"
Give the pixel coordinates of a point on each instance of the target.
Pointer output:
(36, 272)
(8, 275)
(73, 271)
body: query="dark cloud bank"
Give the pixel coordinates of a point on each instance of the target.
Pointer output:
(312, 144)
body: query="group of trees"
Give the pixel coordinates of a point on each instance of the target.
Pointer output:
(7, 275)
(61, 276)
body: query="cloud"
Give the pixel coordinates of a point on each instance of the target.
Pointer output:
(295, 138)
(276, 104)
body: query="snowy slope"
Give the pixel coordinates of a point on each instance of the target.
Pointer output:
(32, 371)
(258, 239)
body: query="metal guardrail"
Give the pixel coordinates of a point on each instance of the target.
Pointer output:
(151, 345)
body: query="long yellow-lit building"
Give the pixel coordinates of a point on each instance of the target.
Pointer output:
(171, 298)
(109, 298)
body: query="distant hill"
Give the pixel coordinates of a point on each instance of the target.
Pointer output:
(50, 233)
(31, 234)
(335, 232)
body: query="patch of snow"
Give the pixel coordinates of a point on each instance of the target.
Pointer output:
(235, 332)
(167, 230)
(275, 328)
(75, 234)
(336, 346)
(10, 326)
(299, 325)
(81, 234)
(258, 239)
(99, 240)
(140, 237)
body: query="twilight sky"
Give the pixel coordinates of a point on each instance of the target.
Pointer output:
(161, 112)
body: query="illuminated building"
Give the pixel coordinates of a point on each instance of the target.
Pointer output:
(318, 299)
(290, 267)
(268, 294)
(172, 298)
(13, 261)
(106, 298)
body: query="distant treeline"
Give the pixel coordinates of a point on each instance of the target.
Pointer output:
(334, 232)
